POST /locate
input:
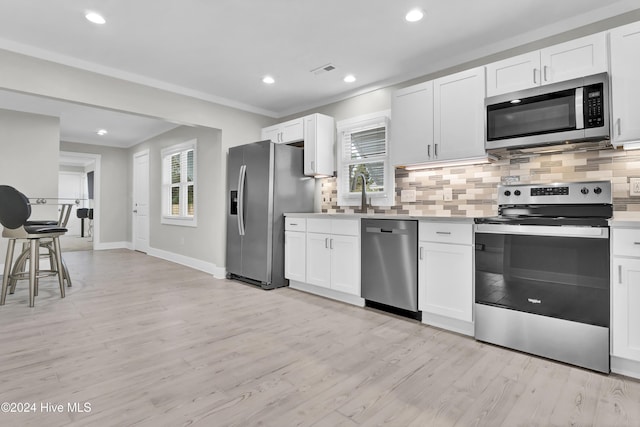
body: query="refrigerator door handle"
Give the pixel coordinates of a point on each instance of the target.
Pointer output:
(241, 181)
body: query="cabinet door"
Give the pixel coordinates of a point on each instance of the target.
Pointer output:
(319, 139)
(271, 133)
(318, 260)
(513, 74)
(412, 125)
(295, 255)
(345, 264)
(459, 115)
(626, 308)
(625, 83)
(575, 58)
(446, 280)
(292, 131)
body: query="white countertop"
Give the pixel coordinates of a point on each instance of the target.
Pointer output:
(458, 219)
(625, 219)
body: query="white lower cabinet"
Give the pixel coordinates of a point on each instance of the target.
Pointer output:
(625, 302)
(331, 259)
(295, 246)
(445, 275)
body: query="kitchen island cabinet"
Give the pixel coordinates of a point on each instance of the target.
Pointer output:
(625, 297)
(445, 275)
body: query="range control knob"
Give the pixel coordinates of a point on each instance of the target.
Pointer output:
(507, 193)
(597, 190)
(517, 192)
(584, 190)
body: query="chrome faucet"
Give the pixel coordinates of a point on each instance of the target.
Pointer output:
(363, 201)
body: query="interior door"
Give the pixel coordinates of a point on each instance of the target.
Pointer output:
(141, 202)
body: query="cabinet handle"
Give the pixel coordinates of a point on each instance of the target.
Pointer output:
(330, 243)
(619, 126)
(421, 252)
(443, 232)
(636, 243)
(620, 274)
(293, 223)
(534, 76)
(326, 243)
(435, 150)
(429, 150)
(545, 73)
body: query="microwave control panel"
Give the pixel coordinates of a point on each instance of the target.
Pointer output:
(594, 110)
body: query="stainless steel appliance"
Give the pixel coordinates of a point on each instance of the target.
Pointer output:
(264, 180)
(542, 272)
(574, 110)
(389, 257)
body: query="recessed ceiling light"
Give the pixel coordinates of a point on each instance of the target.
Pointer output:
(350, 78)
(268, 80)
(515, 101)
(94, 17)
(414, 15)
(102, 132)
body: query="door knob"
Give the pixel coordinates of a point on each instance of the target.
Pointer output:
(135, 211)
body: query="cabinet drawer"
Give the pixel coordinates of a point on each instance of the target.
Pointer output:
(626, 242)
(319, 225)
(444, 232)
(295, 224)
(347, 227)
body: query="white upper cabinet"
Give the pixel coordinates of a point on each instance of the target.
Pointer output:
(565, 61)
(286, 132)
(319, 145)
(412, 125)
(439, 120)
(459, 115)
(317, 131)
(625, 83)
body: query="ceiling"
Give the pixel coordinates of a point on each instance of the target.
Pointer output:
(220, 50)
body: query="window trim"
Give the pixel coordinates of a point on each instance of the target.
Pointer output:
(353, 125)
(165, 156)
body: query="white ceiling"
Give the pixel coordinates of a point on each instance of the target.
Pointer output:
(220, 50)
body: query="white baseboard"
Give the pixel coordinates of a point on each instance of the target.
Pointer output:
(629, 368)
(455, 325)
(327, 293)
(197, 264)
(112, 245)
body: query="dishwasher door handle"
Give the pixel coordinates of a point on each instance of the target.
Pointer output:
(380, 230)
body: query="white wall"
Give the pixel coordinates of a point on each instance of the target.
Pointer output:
(28, 143)
(204, 243)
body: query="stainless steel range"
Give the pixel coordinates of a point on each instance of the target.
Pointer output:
(542, 272)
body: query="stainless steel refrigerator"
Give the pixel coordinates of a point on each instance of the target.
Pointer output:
(264, 180)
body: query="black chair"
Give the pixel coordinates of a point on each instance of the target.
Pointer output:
(14, 214)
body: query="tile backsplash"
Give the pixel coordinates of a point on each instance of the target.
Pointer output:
(474, 187)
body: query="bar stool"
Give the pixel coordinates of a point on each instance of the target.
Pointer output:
(14, 214)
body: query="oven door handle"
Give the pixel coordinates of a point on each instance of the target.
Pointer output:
(543, 230)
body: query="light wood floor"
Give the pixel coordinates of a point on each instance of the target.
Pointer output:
(150, 343)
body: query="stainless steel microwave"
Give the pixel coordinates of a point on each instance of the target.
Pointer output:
(569, 111)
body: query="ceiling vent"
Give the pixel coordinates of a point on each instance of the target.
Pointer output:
(323, 69)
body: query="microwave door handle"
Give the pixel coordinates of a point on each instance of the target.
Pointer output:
(579, 108)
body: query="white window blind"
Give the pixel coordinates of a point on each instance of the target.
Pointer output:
(364, 153)
(179, 184)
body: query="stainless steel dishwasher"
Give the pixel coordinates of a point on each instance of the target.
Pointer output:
(389, 267)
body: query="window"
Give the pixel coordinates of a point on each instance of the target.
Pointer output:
(363, 157)
(179, 184)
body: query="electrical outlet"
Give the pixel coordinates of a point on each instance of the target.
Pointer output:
(634, 186)
(407, 196)
(447, 196)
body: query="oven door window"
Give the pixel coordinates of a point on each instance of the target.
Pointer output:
(561, 277)
(555, 112)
